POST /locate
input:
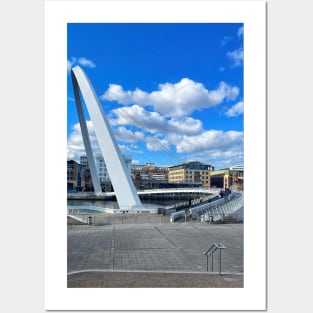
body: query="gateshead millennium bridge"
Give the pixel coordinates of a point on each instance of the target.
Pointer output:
(127, 197)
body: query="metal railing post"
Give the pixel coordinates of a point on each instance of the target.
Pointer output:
(220, 262)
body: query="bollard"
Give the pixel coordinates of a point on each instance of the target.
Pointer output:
(89, 220)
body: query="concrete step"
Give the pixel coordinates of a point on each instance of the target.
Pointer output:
(147, 279)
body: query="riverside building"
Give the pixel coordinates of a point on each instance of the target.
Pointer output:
(232, 177)
(79, 176)
(190, 172)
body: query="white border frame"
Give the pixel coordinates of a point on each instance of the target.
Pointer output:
(253, 15)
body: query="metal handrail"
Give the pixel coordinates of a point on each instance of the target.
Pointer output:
(211, 251)
(216, 208)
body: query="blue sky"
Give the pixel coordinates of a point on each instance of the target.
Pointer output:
(173, 92)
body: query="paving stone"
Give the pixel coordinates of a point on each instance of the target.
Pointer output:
(175, 247)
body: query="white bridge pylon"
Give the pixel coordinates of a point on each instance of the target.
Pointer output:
(123, 185)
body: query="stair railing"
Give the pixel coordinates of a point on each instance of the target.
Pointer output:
(210, 252)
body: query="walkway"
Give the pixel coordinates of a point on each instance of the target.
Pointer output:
(153, 252)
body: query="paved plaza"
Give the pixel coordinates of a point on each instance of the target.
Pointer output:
(142, 255)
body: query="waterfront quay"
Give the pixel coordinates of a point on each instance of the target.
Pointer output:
(154, 255)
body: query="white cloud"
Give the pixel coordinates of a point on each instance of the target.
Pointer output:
(70, 63)
(187, 126)
(126, 135)
(75, 144)
(212, 147)
(236, 56)
(174, 100)
(127, 149)
(80, 61)
(212, 140)
(116, 93)
(136, 162)
(153, 122)
(137, 116)
(85, 62)
(240, 32)
(156, 144)
(219, 158)
(225, 40)
(235, 110)
(168, 126)
(183, 98)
